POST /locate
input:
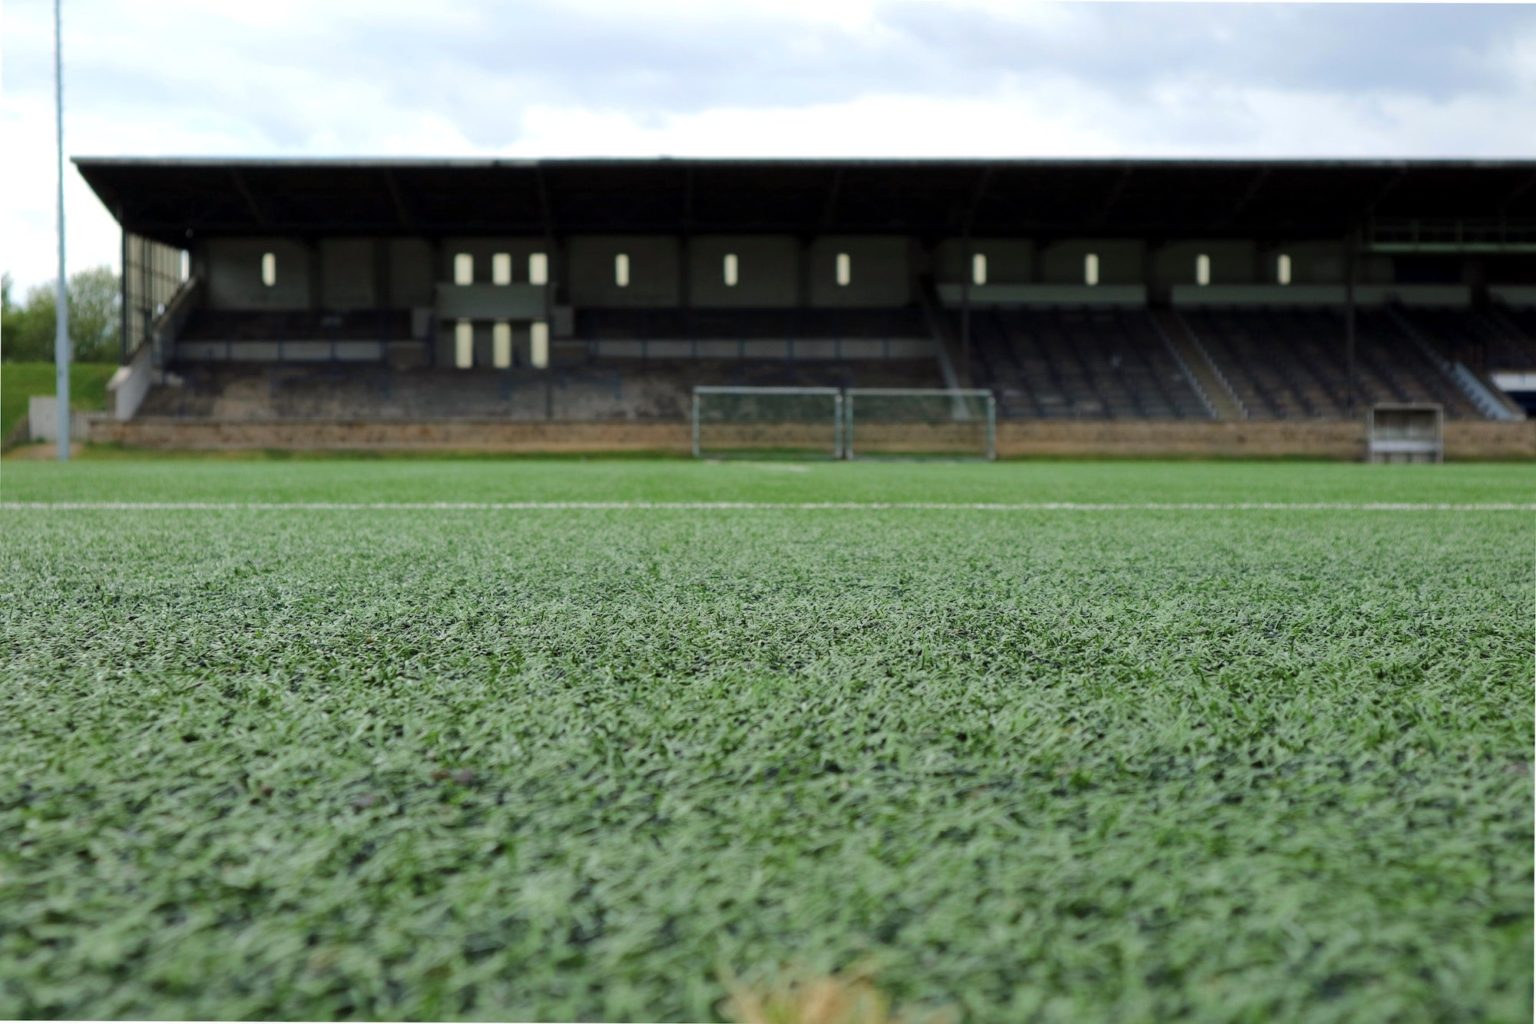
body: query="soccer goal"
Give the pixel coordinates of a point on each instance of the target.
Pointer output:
(939, 423)
(767, 422)
(1405, 432)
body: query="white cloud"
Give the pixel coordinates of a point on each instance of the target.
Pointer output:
(757, 77)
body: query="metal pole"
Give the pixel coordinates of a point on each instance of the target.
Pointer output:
(61, 298)
(846, 398)
(695, 424)
(122, 292)
(967, 272)
(837, 425)
(991, 427)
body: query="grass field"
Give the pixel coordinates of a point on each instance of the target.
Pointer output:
(1053, 764)
(20, 381)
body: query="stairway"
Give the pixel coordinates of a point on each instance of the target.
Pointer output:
(1208, 380)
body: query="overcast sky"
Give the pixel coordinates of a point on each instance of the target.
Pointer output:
(742, 78)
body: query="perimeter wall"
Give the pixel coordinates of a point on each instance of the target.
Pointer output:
(1317, 439)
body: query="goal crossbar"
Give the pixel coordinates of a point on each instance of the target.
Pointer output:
(720, 389)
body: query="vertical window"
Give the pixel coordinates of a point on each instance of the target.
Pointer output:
(538, 268)
(186, 264)
(538, 344)
(463, 344)
(844, 269)
(464, 268)
(979, 268)
(269, 269)
(1283, 268)
(621, 270)
(730, 270)
(1202, 269)
(1091, 268)
(501, 268)
(501, 344)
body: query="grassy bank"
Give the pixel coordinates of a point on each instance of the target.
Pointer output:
(20, 381)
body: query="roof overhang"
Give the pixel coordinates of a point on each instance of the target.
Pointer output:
(173, 200)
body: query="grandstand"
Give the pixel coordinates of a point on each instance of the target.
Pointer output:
(1116, 292)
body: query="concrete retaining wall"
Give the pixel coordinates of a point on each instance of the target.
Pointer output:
(1319, 439)
(43, 420)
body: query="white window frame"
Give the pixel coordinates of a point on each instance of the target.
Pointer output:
(978, 268)
(730, 270)
(1091, 269)
(501, 345)
(621, 269)
(269, 269)
(538, 268)
(1203, 269)
(464, 268)
(1283, 268)
(844, 269)
(501, 268)
(538, 344)
(463, 344)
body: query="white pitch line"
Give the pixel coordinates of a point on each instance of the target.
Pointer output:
(763, 506)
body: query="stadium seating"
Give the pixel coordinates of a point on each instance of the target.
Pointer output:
(237, 326)
(1088, 363)
(1291, 363)
(1485, 340)
(1514, 344)
(283, 336)
(847, 334)
(794, 323)
(1042, 362)
(653, 390)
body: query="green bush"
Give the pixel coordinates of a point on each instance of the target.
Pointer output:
(95, 322)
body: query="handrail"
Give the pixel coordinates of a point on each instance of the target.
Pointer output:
(167, 326)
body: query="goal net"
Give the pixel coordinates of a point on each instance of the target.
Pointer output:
(920, 423)
(767, 422)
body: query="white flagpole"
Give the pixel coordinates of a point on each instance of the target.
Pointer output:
(61, 322)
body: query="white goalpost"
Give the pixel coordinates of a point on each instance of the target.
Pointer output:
(945, 423)
(767, 422)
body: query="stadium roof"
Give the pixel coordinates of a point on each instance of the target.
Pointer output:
(174, 199)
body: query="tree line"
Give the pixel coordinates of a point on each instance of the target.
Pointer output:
(95, 319)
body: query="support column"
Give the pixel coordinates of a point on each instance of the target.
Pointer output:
(803, 271)
(684, 289)
(122, 292)
(966, 272)
(383, 300)
(316, 274)
(146, 311)
(434, 328)
(1349, 318)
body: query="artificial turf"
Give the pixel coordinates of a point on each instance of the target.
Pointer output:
(575, 764)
